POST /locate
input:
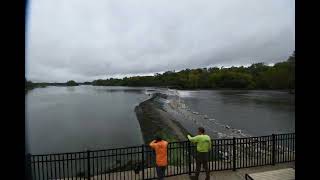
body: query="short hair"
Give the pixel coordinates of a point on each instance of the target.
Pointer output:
(158, 138)
(201, 129)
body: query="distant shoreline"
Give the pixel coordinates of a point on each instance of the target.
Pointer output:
(290, 91)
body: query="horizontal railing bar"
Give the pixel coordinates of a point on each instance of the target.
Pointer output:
(217, 141)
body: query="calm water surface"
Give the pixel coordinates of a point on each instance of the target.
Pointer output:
(66, 119)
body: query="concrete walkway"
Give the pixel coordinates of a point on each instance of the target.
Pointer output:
(239, 174)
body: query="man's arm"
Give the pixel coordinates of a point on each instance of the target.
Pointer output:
(153, 144)
(193, 139)
(210, 144)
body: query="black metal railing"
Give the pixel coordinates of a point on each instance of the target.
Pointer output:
(138, 162)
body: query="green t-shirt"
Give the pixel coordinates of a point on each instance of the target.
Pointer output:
(203, 142)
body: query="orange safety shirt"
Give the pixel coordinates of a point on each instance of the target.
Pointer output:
(161, 152)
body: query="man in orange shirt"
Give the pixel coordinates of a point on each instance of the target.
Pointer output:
(160, 147)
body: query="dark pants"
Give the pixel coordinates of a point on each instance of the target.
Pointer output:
(160, 171)
(202, 159)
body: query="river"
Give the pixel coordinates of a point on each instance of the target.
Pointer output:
(68, 119)
(255, 113)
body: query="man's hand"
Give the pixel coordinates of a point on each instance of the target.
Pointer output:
(152, 143)
(188, 136)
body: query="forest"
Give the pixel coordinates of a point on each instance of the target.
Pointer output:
(257, 76)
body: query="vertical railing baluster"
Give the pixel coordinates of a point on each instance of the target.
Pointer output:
(28, 167)
(76, 166)
(42, 167)
(105, 165)
(189, 157)
(242, 152)
(283, 148)
(109, 163)
(101, 171)
(63, 173)
(81, 165)
(180, 157)
(234, 154)
(68, 172)
(38, 169)
(288, 147)
(95, 160)
(273, 149)
(71, 167)
(55, 167)
(142, 161)
(93, 167)
(88, 164)
(292, 148)
(215, 154)
(47, 168)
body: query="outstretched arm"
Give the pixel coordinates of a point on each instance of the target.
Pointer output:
(193, 139)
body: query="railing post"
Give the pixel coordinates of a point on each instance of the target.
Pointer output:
(273, 149)
(189, 157)
(234, 154)
(142, 163)
(88, 164)
(28, 167)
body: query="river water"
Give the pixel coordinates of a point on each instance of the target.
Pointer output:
(68, 119)
(255, 113)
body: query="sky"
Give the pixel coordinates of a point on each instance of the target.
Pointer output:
(97, 39)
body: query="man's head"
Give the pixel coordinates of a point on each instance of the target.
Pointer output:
(158, 138)
(200, 130)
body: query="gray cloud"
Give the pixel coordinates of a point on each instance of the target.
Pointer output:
(85, 40)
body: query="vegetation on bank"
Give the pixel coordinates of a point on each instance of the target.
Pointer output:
(29, 85)
(257, 76)
(72, 83)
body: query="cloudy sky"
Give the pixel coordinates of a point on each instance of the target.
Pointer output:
(85, 40)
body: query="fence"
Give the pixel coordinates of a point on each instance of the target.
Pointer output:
(139, 162)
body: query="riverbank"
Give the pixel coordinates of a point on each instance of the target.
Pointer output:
(154, 121)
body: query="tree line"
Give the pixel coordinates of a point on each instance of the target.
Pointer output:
(29, 85)
(257, 76)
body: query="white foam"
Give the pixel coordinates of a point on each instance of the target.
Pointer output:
(184, 93)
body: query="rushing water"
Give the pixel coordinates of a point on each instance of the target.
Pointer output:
(66, 119)
(254, 112)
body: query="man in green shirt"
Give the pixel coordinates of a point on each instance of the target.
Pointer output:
(203, 142)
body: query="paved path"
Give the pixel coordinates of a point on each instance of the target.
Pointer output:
(239, 174)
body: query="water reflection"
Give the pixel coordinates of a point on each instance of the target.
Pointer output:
(60, 121)
(71, 88)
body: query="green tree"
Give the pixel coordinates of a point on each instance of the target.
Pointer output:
(72, 83)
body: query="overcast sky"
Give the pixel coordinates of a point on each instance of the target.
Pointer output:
(85, 40)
